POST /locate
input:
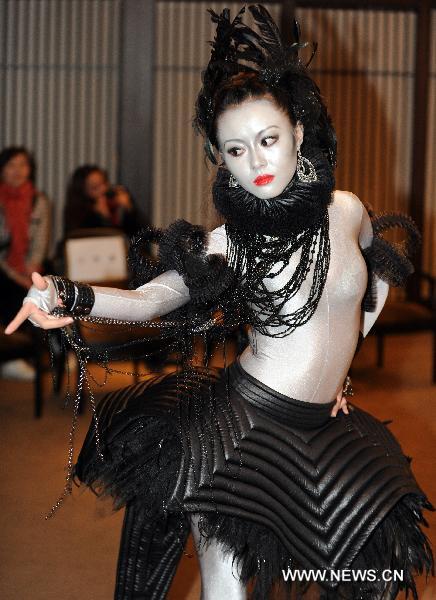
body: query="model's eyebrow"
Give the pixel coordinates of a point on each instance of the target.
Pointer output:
(258, 135)
(233, 140)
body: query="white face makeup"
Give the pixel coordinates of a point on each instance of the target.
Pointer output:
(259, 146)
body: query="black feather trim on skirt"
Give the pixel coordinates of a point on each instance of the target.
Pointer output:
(278, 483)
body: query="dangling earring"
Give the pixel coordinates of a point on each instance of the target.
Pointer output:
(233, 182)
(305, 169)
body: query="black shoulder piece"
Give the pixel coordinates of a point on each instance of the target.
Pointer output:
(142, 267)
(389, 260)
(178, 241)
(182, 247)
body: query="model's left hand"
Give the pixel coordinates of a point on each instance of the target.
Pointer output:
(341, 404)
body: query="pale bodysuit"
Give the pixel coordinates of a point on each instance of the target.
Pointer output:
(310, 364)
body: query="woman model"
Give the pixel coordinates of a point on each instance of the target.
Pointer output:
(258, 461)
(24, 239)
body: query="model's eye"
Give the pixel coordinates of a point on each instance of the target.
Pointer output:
(269, 140)
(235, 151)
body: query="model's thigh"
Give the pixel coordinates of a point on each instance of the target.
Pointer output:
(219, 575)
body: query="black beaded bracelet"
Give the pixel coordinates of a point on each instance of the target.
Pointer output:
(85, 299)
(77, 298)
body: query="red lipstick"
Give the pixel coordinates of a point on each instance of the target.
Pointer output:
(263, 179)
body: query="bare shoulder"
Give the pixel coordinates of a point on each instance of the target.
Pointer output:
(348, 201)
(217, 241)
(347, 206)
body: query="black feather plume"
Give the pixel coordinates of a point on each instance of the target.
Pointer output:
(271, 39)
(223, 45)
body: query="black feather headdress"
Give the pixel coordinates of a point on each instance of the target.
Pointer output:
(238, 48)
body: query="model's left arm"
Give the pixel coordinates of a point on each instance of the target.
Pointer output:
(388, 263)
(377, 290)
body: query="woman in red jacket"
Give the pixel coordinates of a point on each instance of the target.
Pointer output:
(24, 239)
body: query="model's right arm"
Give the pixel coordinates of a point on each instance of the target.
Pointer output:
(154, 299)
(158, 297)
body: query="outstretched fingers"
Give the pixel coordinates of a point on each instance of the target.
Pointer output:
(24, 313)
(46, 321)
(30, 309)
(38, 317)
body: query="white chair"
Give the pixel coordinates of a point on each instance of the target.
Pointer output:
(96, 258)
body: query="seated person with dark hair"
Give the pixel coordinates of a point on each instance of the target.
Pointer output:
(93, 202)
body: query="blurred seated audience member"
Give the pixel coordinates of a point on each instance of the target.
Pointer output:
(93, 202)
(24, 239)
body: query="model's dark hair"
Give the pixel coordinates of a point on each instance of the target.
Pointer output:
(11, 152)
(78, 203)
(296, 100)
(242, 87)
(246, 63)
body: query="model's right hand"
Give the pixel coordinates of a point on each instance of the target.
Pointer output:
(39, 302)
(341, 404)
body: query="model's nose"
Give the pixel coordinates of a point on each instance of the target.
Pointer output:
(258, 160)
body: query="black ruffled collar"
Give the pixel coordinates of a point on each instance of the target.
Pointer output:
(300, 206)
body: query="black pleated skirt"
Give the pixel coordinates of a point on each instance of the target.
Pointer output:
(278, 482)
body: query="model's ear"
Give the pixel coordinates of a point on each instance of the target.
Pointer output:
(299, 134)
